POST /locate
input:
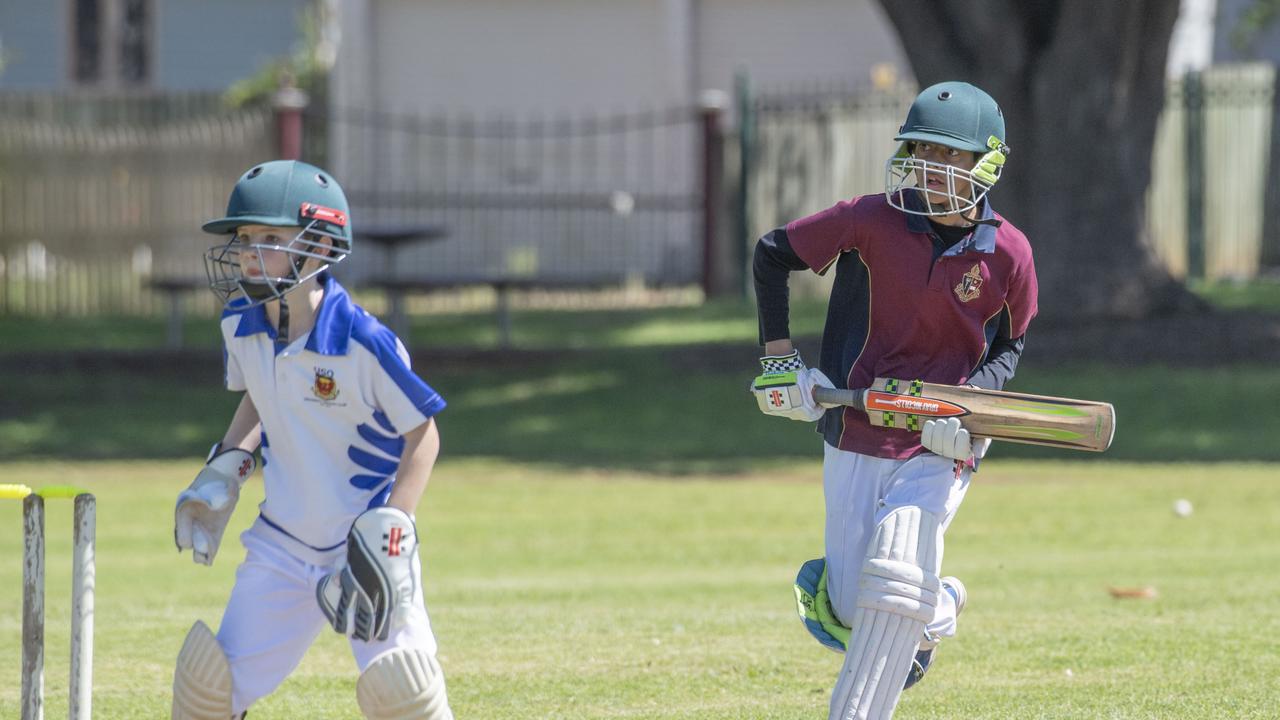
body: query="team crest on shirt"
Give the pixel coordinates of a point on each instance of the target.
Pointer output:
(970, 286)
(325, 387)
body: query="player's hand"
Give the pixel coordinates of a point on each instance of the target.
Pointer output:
(374, 590)
(785, 387)
(204, 508)
(948, 439)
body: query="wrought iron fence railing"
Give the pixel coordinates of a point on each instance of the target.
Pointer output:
(100, 196)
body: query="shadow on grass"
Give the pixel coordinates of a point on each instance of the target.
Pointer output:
(668, 325)
(673, 411)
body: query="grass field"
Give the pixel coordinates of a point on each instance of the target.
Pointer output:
(646, 409)
(612, 532)
(588, 594)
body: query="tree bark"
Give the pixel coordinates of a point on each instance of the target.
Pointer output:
(1081, 84)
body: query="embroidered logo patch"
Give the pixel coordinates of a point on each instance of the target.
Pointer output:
(393, 538)
(325, 387)
(970, 286)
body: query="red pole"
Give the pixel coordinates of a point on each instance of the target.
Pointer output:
(288, 103)
(712, 173)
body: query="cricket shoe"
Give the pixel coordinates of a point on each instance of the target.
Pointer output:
(924, 658)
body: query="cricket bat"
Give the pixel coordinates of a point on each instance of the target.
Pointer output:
(1008, 416)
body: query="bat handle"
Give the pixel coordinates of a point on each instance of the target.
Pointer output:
(836, 396)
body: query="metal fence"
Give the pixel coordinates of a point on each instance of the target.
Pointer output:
(1211, 208)
(809, 150)
(100, 196)
(571, 198)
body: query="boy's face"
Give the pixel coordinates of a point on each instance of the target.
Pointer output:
(263, 262)
(935, 182)
(257, 263)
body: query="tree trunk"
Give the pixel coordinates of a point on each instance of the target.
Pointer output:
(1081, 84)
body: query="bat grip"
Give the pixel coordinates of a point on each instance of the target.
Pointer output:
(836, 396)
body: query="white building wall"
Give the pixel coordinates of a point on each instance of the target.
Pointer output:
(1191, 44)
(580, 56)
(498, 56)
(784, 45)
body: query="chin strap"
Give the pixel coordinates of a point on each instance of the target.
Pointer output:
(282, 334)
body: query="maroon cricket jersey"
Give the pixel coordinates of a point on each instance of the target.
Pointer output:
(896, 312)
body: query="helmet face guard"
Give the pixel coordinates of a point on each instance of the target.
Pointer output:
(225, 269)
(906, 175)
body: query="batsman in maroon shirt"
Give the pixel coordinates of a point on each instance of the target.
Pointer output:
(930, 284)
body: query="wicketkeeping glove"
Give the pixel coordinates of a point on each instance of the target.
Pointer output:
(374, 591)
(785, 387)
(204, 508)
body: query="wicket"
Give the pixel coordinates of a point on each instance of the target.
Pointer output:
(82, 584)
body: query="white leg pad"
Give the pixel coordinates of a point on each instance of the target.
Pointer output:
(897, 593)
(403, 684)
(202, 678)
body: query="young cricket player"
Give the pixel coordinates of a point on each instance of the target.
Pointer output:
(348, 441)
(930, 284)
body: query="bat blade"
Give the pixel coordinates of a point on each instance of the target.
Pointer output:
(1010, 417)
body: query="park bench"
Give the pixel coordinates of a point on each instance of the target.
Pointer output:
(503, 284)
(175, 289)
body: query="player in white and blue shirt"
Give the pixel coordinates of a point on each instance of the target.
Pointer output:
(338, 398)
(348, 441)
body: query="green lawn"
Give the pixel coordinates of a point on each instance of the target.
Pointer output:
(612, 531)
(714, 322)
(1260, 294)
(676, 410)
(596, 594)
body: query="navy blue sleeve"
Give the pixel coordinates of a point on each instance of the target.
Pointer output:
(771, 265)
(1001, 363)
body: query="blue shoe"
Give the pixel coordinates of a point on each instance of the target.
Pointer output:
(924, 658)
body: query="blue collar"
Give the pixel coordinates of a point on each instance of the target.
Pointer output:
(334, 319)
(983, 238)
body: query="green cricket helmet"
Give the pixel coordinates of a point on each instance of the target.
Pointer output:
(280, 193)
(954, 115)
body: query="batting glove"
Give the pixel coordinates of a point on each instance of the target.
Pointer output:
(948, 439)
(204, 508)
(785, 387)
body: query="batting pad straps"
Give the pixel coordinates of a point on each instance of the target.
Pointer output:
(897, 594)
(900, 588)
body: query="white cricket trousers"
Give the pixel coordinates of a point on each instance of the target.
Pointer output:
(860, 491)
(272, 618)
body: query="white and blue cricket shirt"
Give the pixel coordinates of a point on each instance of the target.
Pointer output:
(334, 405)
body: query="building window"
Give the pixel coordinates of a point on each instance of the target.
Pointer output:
(88, 41)
(111, 43)
(135, 42)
